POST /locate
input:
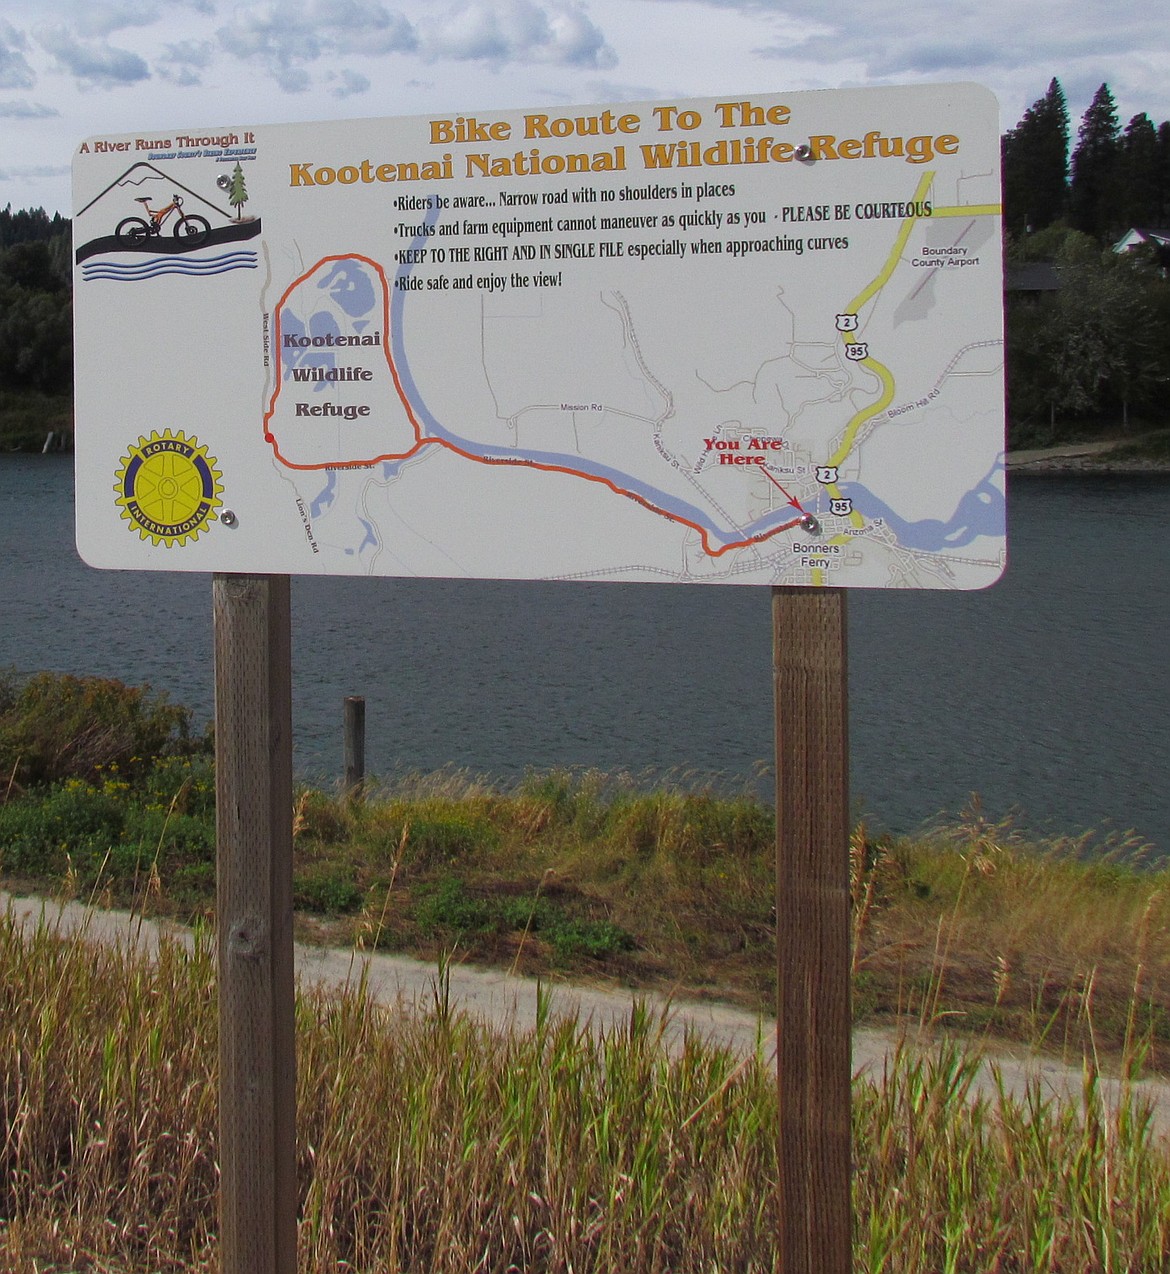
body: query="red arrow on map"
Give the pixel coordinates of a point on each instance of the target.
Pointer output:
(792, 500)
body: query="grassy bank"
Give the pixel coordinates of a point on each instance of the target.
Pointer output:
(1062, 944)
(429, 1143)
(105, 795)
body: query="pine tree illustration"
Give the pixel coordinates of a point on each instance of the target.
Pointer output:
(238, 192)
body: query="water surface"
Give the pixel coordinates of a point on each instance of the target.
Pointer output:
(1048, 693)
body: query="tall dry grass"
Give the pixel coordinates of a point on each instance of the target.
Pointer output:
(1062, 944)
(429, 1142)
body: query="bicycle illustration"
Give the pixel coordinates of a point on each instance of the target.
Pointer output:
(189, 227)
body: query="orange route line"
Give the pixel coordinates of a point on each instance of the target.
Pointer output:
(270, 438)
(422, 441)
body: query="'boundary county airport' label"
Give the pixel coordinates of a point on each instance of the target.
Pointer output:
(729, 340)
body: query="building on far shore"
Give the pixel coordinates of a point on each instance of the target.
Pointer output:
(1157, 241)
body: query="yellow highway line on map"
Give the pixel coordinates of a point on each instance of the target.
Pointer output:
(867, 294)
(883, 277)
(968, 210)
(896, 253)
(882, 372)
(818, 578)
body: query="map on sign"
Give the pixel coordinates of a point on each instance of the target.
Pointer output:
(751, 340)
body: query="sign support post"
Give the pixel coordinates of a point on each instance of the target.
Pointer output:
(814, 1049)
(257, 1046)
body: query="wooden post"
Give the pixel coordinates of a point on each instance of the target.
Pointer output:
(355, 744)
(814, 1054)
(257, 1061)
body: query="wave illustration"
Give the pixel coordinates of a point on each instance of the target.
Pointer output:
(153, 267)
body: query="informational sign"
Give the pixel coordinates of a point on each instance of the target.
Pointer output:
(745, 340)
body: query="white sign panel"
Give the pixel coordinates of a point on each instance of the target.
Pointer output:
(731, 340)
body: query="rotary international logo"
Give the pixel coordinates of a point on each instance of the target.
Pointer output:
(168, 488)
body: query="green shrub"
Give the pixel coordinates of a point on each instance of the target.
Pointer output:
(448, 907)
(191, 885)
(564, 801)
(528, 913)
(182, 784)
(445, 836)
(41, 836)
(27, 417)
(321, 817)
(693, 828)
(573, 938)
(100, 832)
(173, 838)
(56, 726)
(327, 887)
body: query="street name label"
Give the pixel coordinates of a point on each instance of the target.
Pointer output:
(726, 340)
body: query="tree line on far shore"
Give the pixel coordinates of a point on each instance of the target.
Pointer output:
(36, 325)
(1088, 332)
(1088, 340)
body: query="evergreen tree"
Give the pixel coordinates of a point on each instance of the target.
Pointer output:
(1035, 164)
(30, 224)
(1140, 181)
(1093, 199)
(1162, 220)
(35, 318)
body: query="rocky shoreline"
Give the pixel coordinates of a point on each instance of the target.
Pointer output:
(1085, 457)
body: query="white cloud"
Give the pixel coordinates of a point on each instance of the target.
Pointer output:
(294, 79)
(15, 71)
(33, 171)
(207, 59)
(1013, 48)
(93, 65)
(102, 19)
(347, 83)
(504, 31)
(286, 36)
(576, 41)
(27, 110)
(182, 63)
(365, 26)
(276, 34)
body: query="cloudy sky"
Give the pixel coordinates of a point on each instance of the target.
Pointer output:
(70, 69)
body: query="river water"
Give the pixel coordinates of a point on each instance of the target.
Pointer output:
(1047, 695)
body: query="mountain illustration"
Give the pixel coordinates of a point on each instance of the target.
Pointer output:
(173, 222)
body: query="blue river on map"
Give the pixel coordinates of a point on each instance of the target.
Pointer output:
(625, 482)
(980, 512)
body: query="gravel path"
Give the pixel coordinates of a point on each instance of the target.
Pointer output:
(505, 1000)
